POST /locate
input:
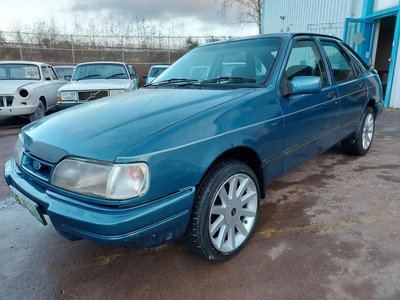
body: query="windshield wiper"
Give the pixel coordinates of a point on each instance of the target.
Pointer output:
(172, 80)
(88, 76)
(113, 75)
(229, 79)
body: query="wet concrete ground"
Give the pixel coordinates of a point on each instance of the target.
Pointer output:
(327, 230)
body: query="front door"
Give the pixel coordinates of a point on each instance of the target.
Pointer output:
(311, 120)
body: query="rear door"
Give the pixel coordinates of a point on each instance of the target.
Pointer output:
(350, 84)
(310, 119)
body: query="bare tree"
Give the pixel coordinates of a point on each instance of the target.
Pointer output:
(247, 11)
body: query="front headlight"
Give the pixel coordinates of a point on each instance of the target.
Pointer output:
(116, 92)
(23, 93)
(68, 96)
(109, 181)
(19, 150)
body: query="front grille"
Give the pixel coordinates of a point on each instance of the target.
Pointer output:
(36, 167)
(92, 95)
(6, 101)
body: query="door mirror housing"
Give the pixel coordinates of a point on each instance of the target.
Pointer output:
(305, 85)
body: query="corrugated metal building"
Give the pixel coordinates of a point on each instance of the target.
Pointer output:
(371, 27)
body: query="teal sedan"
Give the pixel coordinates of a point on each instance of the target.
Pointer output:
(191, 153)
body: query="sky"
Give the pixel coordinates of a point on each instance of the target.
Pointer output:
(187, 17)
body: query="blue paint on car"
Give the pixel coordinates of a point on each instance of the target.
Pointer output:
(257, 104)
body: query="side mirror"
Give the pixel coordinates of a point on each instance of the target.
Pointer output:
(67, 77)
(305, 85)
(145, 77)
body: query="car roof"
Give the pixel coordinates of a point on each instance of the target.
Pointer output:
(285, 36)
(160, 66)
(72, 67)
(24, 62)
(102, 62)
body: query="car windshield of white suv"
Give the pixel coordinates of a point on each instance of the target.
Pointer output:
(100, 71)
(156, 71)
(19, 72)
(246, 62)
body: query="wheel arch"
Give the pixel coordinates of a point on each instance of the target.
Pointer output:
(247, 156)
(43, 98)
(371, 103)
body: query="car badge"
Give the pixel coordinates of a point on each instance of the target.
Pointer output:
(36, 165)
(93, 95)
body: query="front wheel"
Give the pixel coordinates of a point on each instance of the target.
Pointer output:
(225, 211)
(40, 111)
(361, 139)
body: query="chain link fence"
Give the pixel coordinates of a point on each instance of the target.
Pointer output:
(58, 49)
(335, 29)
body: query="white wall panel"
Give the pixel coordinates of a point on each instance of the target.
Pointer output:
(296, 15)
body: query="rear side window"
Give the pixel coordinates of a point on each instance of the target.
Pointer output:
(52, 73)
(132, 72)
(340, 62)
(358, 65)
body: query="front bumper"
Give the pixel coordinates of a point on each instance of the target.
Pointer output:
(145, 225)
(67, 104)
(17, 110)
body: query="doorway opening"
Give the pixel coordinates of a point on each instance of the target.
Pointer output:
(384, 44)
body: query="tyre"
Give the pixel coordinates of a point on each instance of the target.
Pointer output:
(361, 139)
(40, 111)
(225, 211)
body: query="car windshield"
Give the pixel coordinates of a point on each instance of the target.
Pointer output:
(19, 72)
(64, 71)
(246, 62)
(100, 71)
(156, 71)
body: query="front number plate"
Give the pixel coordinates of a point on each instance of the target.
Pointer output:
(27, 203)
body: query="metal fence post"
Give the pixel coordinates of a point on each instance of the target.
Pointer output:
(72, 49)
(19, 44)
(123, 54)
(169, 50)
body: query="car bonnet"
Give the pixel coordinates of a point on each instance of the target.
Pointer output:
(9, 87)
(95, 84)
(105, 128)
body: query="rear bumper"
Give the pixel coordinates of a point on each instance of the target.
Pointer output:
(145, 225)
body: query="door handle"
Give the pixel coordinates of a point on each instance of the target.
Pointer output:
(362, 85)
(331, 95)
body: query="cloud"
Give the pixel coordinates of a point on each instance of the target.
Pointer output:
(205, 10)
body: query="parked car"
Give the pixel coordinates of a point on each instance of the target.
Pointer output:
(27, 88)
(193, 157)
(95, 80)
(154, 72)
(64, 72)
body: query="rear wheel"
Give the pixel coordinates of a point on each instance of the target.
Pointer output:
(225, 211)
(40, 111)
(360, 141)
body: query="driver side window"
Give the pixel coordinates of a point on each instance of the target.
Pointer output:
(304, 60)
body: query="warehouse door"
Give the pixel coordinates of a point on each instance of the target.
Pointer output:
(359, 35)
(384, 45)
